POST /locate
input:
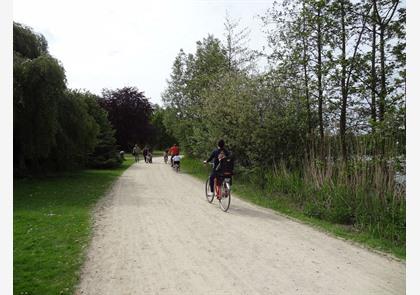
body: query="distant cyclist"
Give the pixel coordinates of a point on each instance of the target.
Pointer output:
(166, 155)
(173, 151)
(145, 152)
(216, 156)
(136, 152)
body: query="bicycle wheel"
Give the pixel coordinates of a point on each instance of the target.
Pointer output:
(224, 200)
(209, 194)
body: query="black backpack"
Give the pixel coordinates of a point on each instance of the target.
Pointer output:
(226, 166)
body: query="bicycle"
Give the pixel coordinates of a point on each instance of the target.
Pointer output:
(222, 189)
(149, 158)
(176, 163)
(176, 166)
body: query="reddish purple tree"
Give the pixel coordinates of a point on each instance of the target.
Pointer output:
(129, 111)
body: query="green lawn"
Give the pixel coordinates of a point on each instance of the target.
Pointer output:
(52, 227)
(262, 198)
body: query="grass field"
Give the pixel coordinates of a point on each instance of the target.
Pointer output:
(52, 227)
(264, 198)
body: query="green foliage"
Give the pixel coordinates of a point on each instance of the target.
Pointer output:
(77, 135)
(161, 136)
(328, 113)
(105, 154)
(54, 128)
(191, 78)
(40, 83)
(28, 44)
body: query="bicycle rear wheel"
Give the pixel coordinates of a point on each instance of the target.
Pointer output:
(209, 194)
(224, 200)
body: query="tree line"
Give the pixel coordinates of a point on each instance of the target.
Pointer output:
(57, 128)
(328, 113)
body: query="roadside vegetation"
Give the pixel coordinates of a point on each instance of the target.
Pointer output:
(52, 227)
(321, 130)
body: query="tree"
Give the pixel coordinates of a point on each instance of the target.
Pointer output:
(54, 128)
(161, 136)
(239, 56)
(105, 154)
(77, 134)
(193, 76)
(38, 82)
(27, 43)
(129, 112)
(350, 26)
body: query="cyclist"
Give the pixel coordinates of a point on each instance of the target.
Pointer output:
(136, 152)
(145, 152)
(217, 155)
(177, 161)
(173, 151)
(149, 156)
(165, 155)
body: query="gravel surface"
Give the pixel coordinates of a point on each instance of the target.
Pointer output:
(155, 233)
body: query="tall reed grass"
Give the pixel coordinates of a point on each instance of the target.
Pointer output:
(362, 192)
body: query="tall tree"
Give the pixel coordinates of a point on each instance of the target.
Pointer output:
(161, 136)
(38, 82)
(105, 154)
(77, 133)
(129, 112)
(351, 25)
(383, 21)
(238, 54)
(193, 76)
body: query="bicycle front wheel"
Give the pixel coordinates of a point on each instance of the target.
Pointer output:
(209, 194)
(224, 200)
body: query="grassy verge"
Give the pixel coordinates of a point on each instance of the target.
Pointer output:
(51, 228)
(279, 203)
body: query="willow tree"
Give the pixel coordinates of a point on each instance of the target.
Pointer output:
(38, 82)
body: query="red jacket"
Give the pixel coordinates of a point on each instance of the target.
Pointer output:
(174, 151)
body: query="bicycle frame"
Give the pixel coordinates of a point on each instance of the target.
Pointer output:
(218, 186)
(222, 190)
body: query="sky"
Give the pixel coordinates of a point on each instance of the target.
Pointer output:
(113, 44)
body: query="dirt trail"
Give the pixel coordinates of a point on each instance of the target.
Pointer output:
(156, 234)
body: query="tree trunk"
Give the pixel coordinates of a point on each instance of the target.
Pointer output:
(319, 77)
(373, 79)
(382, 94)
(343, 114)
(306, 78)
(308, 104)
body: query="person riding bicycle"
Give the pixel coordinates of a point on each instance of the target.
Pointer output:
(177, 161)
(173, 151)
(136, 152)
(149, 156)
(165, 155)
(217, 156)
(145, 152)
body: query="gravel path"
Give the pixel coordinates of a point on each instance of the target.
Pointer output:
(155, 233)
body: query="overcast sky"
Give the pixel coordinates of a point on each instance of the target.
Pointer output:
(112, 44)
